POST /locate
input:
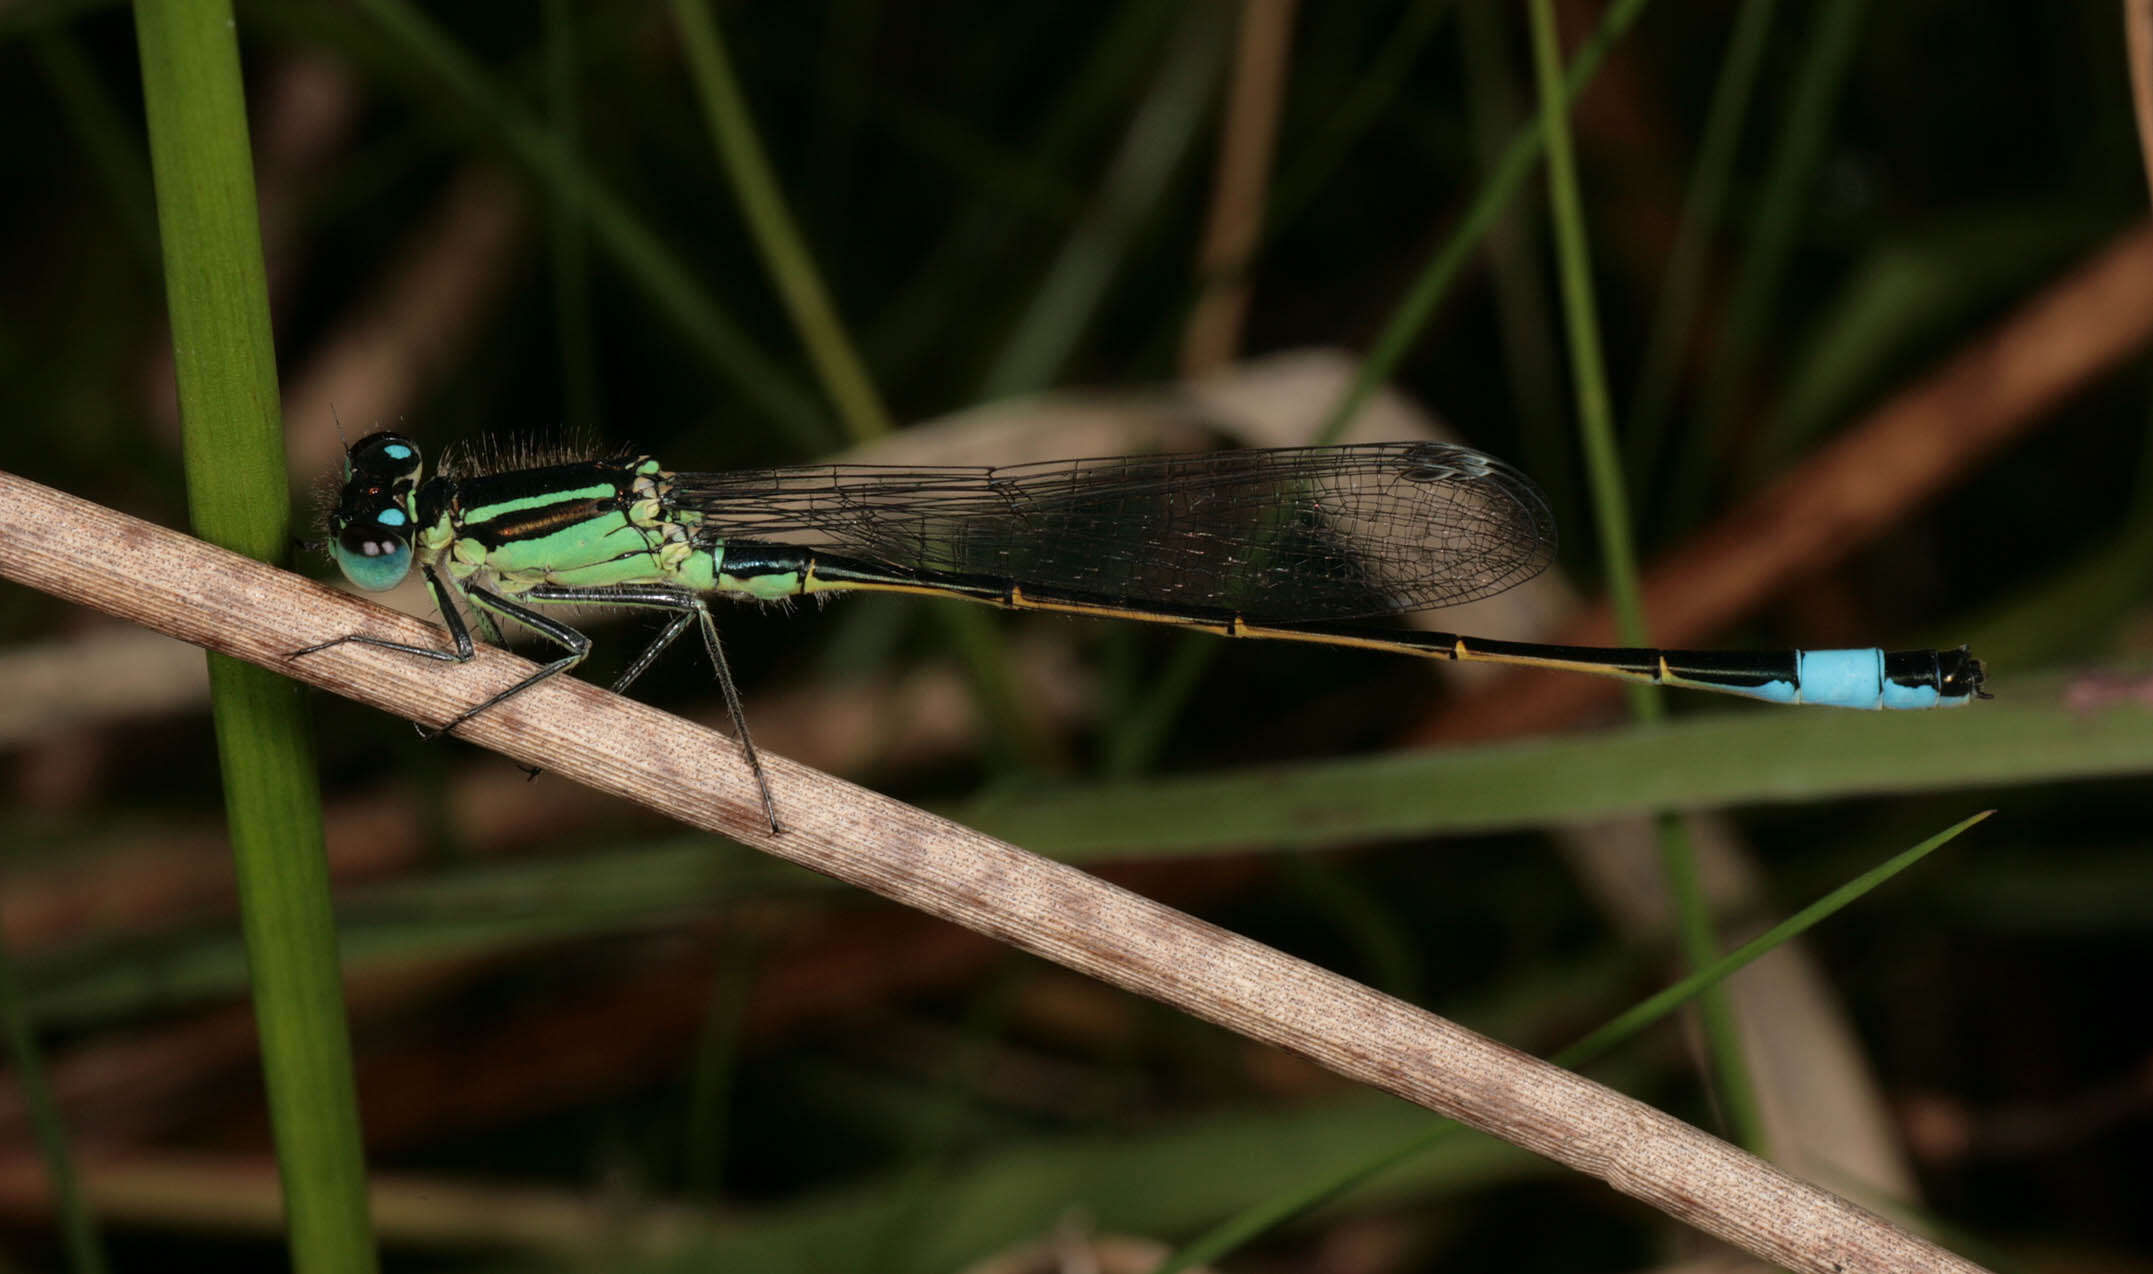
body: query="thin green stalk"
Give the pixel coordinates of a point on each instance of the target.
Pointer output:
(1733, 1089)
(1515, 253)
(226, 371)
(78, 1225)
(1763, 268)
(1603, 470)
(1626, 1026)
(1011, 190)
(1588, 370)
(1780, 210)
(1434, 279)
(1703, 760)
(1158, 138)
(784, 252)
(1702, 210)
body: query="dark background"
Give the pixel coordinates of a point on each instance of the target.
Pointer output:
(620, 1065)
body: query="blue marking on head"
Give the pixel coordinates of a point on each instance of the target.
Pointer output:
(392, 517)
(1842, 678)
(382, 459)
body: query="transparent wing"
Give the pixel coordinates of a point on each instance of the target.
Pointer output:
(1283, 536)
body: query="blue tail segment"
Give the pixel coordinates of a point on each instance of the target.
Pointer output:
(1866, 679)
(1843, 678)
(1874, 679)
(1869, 678)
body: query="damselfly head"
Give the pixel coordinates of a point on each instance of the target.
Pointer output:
(371, 524)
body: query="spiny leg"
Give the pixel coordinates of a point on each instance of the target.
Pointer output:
(493, 606)
(687, 607)
(674, 627)
(732, 705)
(575, 643)
(464, 652)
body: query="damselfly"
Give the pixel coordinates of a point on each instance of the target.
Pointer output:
(1285, 545)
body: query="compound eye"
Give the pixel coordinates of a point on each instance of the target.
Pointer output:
(373, 554)
(383, 459)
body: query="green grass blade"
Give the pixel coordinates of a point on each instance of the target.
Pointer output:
(1434, 280)
(1733, 1088)
(635, 249)
(1523, 302)
(1595, 415)
(1731, 759)
(1156, 142)
(1618, 554)
(1702, 210)
(1237, 1231)
(1635, 1019)
(777, 238)
(78, 1225)
(226, 370)
(1780, 211)
(845, 377)
(1132, 1181)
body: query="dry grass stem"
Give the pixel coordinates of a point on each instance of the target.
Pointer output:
(1244, 169)
(191, 1191)
(2138, 47)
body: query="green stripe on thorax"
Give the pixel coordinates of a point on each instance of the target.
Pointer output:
(577, 526)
